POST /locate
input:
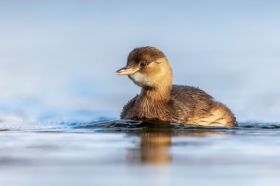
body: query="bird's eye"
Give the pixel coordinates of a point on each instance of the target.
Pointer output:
(143, 63)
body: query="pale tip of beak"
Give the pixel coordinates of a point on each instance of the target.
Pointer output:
(119, 73)
(127, 71)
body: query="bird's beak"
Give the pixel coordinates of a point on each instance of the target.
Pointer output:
(126, 71)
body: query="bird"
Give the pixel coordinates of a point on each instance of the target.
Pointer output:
(162, 102)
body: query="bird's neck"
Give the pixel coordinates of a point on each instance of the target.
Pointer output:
(153, 103)
(159, 94)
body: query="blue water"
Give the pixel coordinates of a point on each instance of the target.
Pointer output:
(125, 153)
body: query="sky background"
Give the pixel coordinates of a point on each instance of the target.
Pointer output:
(58, 58)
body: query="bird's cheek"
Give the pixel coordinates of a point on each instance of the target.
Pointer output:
(140, 79)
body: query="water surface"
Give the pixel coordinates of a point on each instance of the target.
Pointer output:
(126, 153)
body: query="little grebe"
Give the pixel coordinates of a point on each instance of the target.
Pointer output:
(159, 100)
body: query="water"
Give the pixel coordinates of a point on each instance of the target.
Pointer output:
(125, 153)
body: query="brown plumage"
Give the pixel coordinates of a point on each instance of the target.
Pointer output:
(159, 100)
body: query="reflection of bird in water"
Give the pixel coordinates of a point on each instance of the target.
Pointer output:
(154, 147)
(159, 100)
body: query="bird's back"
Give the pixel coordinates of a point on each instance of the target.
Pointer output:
(194, 106)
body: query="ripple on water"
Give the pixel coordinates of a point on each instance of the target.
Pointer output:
(130, 126)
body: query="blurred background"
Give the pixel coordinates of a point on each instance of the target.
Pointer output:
(58, 58)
